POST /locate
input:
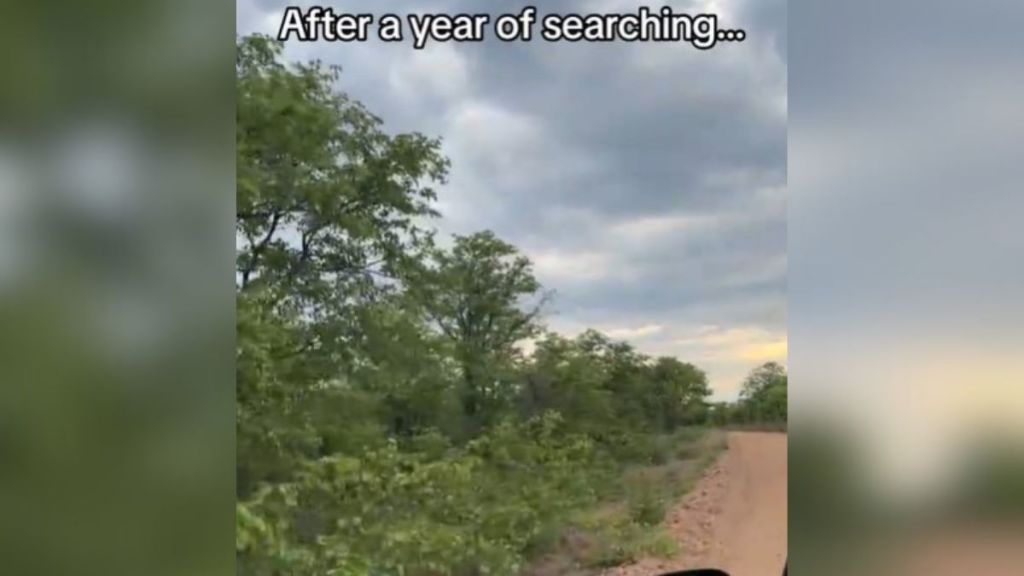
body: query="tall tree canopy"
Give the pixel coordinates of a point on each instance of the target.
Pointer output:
(326, 199)
(482, 295)
(328, 212)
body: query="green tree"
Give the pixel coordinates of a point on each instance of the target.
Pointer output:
(327, 203)
(408, 366)
(679, 393)
(326, 220)
(482, 295)
(567, 378)
(764, 395)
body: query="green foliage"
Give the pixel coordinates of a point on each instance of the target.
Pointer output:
(610, 391)
(473, 511)
(388, 421)
(647, 509)
(763, 400)
(475, 295)
(611, 537)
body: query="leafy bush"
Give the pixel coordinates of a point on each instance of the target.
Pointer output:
(431, 444)
(647, 509)
(476, 510)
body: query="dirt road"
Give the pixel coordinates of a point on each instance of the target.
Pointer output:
(735, 518)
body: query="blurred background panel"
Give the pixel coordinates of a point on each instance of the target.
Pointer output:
(906, 319)
(116, 287)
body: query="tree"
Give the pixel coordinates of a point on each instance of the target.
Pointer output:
(762, 378)
(482, 295)
(764, 395)
(565, 376)
(326, 220)
(679, 392)
(327, 203)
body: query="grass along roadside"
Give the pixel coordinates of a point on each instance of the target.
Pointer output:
(629, 522)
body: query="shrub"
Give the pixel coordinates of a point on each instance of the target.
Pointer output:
(431, 444)
(474, 510)
(647, 510)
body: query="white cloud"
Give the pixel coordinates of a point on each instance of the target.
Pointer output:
(494, 133)
(494, 151)
(439, 70)
(648, 229)
(637, 333)
(557, 268)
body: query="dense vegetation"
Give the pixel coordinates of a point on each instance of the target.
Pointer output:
(763, 401)
(389, 420)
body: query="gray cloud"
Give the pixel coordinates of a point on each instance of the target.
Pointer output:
(646, 180)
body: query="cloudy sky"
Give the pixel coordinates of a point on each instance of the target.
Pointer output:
(646, 181)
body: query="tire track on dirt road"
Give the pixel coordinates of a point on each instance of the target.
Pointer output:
(735, 518)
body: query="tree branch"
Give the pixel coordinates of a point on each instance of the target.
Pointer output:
(257, 249)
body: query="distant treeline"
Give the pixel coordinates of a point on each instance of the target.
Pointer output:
(763, 401)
